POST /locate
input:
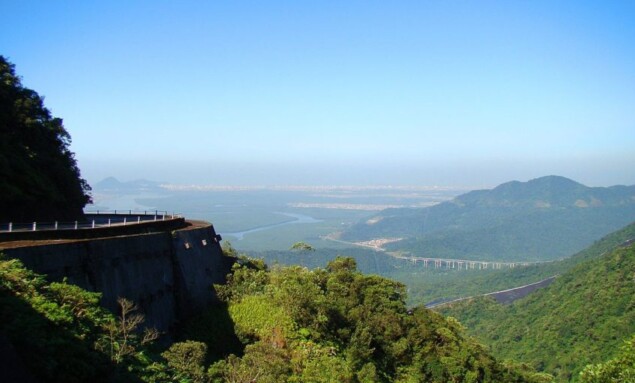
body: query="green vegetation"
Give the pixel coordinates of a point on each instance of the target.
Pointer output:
(368, 261)
(40, 178)
(282, 325)
(429, 284)
(61, 333)
(543, 219)
(332, 323)
(580, 318)
(425, 286)
(338, 325)
(302, 246)
(619, 369)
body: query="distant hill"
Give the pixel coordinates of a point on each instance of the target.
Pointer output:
(426, 285)
(448, 287)
(582, 317)
(542, 219)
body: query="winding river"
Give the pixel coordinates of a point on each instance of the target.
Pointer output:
(297, 219)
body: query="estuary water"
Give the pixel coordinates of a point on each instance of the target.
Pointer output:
(297, 219)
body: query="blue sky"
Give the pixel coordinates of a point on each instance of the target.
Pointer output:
(423, 92)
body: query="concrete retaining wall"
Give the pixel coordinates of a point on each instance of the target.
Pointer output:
(168, 274)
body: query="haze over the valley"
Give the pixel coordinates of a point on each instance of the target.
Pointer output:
(469, 94)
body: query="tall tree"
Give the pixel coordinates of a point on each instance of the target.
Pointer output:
(39, 177)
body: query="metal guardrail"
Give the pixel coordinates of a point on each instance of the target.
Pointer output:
(95, 219)
(132, 212)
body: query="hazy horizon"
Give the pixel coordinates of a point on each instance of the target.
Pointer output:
(462, 94)
(457, 175)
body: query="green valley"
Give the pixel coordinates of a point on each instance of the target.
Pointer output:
(312, 284)
(543, 219)
(582, 317)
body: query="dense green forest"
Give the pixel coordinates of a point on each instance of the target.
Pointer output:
(428, 287)
(332, 324)
(580, 318)
(325, 318)
(543, 219)
(620, 368)
(429, 284)
(40, 177)
(337, 324)
(288, 324)
(60, 332)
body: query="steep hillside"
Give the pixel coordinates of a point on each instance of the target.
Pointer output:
(338, 325)
(621, 368)
(428, 284)
(451, 286)
(543, 219)
(582, 317)
(40, 177)
(284, 325)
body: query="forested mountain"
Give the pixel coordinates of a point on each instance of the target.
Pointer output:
(581, 318)
(281, 325)
(39, 178)
(542, 219)
(452, 286)
(428, 284)
(338, 325)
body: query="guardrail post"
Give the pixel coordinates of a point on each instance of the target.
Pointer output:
(75, 225)
(10, 227)
(55, 225)
(93, 223)
(163, 218)
(124, 221)
(138, 219)
(109, 221)
(34, 226)
(155, 217)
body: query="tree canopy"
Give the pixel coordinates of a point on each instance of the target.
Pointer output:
(39, 177)
(581, 318)
(302, 246)
(619, 369)
(339, 325)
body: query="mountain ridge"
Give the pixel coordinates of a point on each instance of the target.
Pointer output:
(543, 219)
(582, 316)
(552, 189)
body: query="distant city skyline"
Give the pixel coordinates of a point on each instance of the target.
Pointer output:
(356, 93)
